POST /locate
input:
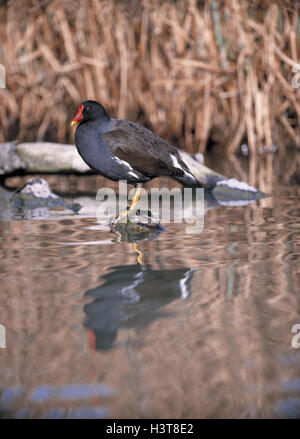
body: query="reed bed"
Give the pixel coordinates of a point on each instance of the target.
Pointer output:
(198, 73)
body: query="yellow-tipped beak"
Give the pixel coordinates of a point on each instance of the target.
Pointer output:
(74, 122)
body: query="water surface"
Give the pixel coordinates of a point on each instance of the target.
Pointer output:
(201, 328)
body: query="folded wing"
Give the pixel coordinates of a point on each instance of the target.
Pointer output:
(144, 151)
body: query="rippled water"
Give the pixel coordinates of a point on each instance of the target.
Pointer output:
(202, 327)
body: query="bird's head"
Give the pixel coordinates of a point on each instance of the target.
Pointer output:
(90, 110)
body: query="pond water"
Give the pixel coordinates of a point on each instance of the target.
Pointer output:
(182, 326)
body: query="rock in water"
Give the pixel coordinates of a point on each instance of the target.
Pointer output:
(36, 193)
(230, 191)
(140, 227)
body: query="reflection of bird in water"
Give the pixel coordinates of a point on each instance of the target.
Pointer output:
(132, 296)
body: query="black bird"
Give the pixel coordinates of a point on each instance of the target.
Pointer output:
(123, 150)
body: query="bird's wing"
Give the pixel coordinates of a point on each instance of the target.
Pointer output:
(144, 151)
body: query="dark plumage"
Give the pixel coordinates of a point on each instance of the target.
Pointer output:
(123, 150)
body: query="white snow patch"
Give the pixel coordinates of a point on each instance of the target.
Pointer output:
(233, 183)
(235, 203)
(38, 188)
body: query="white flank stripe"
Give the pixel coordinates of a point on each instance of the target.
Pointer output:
(122, 162)
(175, 162)
(133, 174)
(191, 177)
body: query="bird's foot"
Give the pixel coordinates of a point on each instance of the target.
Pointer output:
(133, 217)
(135, 226)
(122, 218)
(134, 232)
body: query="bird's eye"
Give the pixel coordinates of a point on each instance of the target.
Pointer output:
(87, 109)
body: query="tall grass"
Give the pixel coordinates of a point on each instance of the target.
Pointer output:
(196, 72)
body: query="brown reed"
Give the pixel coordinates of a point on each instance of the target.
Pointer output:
(196, 72)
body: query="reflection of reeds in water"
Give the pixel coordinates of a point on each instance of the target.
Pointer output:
(223, 352)
(193, 71)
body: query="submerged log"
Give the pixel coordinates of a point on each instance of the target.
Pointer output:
(9, 159)
(50, 157)
(206, 176)
(35, 200)
(43, 157)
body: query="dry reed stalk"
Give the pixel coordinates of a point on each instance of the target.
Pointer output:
(194, 72)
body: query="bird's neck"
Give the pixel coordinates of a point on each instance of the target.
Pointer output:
(89, 142)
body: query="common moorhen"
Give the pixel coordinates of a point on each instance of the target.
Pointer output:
(123, 150)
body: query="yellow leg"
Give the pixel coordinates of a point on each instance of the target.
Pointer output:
(133, 204)
(139, 252)
(136, 197)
